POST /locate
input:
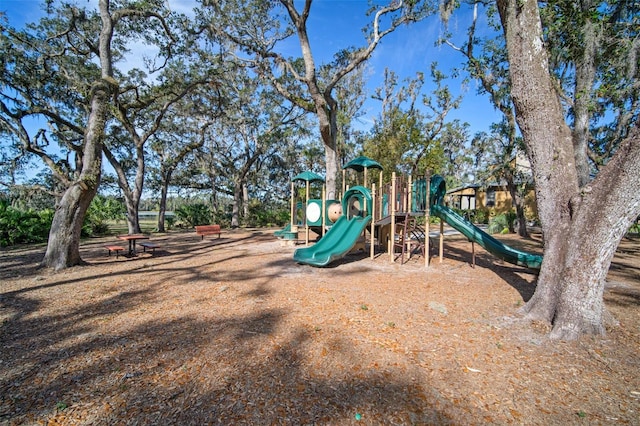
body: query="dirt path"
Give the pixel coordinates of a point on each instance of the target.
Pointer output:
(233, 331)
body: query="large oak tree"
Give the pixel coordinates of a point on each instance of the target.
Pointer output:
(62, 72)
(583, 220)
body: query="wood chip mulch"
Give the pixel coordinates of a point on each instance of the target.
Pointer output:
(233, 331)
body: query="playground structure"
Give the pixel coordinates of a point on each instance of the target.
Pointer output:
(393, 217)
(371, 215)
(314, 214)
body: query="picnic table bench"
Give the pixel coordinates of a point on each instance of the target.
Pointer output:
(149, 245)
(203, 230)
(115, 249)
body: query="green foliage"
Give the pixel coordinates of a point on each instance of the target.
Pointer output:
(503, 223)
(511, 220)
(170, 221)
(474, 215)
(603, 37)
(100, 212)
(23, 226)
(194, 214)
(480, 216)
(36, 194)
(264, 215)
(499, 225)
(221, 216)
(408, 138)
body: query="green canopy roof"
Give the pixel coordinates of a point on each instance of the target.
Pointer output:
(361, 163)
(308, 177)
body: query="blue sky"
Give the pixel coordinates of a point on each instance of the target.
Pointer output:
(336, 24)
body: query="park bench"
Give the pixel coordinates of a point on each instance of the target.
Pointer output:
(149, 245)
(115, 249)
(203, 230)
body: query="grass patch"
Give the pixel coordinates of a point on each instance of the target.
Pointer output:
(147, 226)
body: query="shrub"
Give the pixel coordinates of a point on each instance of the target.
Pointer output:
(498, 224)
(23, 226)
(474, 215)
(283, 217)
(511, 217)
(170, 221)
(222, 217)
(194, 214)
(481, 216)
(265, 215)
(101, 210)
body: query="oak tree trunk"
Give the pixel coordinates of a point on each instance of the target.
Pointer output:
(63, 248)
(237, 201)
(245, 201)
(585, 73)
(522, 222)
(518, 202)
(164, 190)
(133, 217)
(131, 195)
(326, 110)
(130, 201)
(332, 167)
(133, 222)
(582, 225)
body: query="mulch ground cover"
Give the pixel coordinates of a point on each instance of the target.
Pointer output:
(233, 331)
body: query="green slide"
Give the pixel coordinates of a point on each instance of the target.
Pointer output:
(282, 231)
(341, 238)
(490, 244)
(473, 233)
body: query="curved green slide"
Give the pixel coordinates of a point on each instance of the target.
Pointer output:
(344, 233)
(473, 233)
(282, 231)
(341, 238)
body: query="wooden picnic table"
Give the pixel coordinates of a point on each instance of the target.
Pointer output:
(132, 238)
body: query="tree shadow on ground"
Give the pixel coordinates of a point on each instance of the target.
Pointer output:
(624, 264)
(622, 294)
(17, 262)
(511, 274)
(183, 369)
